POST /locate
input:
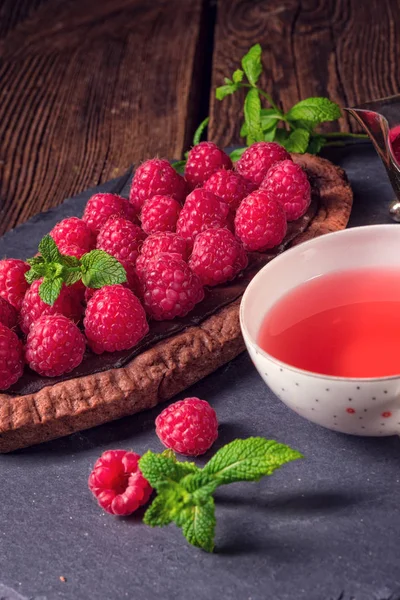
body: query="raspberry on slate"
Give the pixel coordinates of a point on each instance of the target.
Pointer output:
(170, 288)
(188, 426)
(229, 186)
(68, 304)
(73, 232)
(120, 238)
(114, 320)
(165, 241)
(256, 161)
(101, 207)
(118, 484)
(13, 284)
(11, 357)
(156, 176)
(160, 213)
(217, 256)
(54, 346)
(260, 222)
(8, 314)
(203, 160)
(288, 183)
(202, 210)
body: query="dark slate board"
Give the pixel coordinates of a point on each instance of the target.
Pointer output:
(325, 528)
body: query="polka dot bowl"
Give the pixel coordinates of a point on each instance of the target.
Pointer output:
(356, 406)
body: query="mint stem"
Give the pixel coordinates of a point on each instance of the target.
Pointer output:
(339, 134)
(267, 96)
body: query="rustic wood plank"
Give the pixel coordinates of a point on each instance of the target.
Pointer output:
(344, 49)
(86, 88)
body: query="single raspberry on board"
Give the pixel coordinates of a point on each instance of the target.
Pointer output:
(260, 222)
(189, 426)
(170, 288)
(288, 183)
(114, 320)
(120, 238)
(256, 161)
(202, 210)
(13, 284)
(54, 346)
(118, 484)
(8, 314)
(11, 357)
(73, 232)
(203, 160)
(68, 304)
(153, 177)
(160, 213)
(229, 186)
(101, 207)
(165, 241)
(217, 256)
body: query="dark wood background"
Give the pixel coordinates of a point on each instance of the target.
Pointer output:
(88, 87)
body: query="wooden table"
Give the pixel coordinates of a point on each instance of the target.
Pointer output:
(88, 87)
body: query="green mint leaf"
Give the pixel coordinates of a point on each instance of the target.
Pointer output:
(32, 275)
(225, 90)
(249, 460)
(159, 468)
(69, 261)
(281, 135)
(303, 124)
(316, 110)
(50, 289)
(297, 141)
(252, 109)
(243, 130)
(269, 118)
(236, 154)
(199, 526)
(48, 249)
(237, 76)
(35, 260)
(228, 81)
(251, 63)
(269, 134)
(179, 166)
(71, 276)
(199, 131)
(99, 268)
(316, 144)
(161, 510)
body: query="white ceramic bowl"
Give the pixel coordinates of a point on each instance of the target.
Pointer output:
(355, 406)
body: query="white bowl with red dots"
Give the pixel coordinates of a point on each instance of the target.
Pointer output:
(367, 406)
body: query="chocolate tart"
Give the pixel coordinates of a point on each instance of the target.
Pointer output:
(174, 355)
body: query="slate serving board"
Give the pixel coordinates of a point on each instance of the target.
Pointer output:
(326, 528)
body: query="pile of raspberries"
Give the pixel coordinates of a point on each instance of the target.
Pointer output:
(173, 236)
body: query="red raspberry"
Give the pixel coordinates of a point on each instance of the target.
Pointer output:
(256, 161)
(260, 222)
(101, 207)
(54, 346)
(120, 238)
(71, 250)
(13, 284)
(160, 213)
(132, 281)
(8, 314)
(288, 183)
(203, 160)
(229, 186)
(202, 210)
(73, 232)
(157, 243)
(189, 426)
(170, 288)
(156, 176)
(68, 304)
(118, 484)
(217, 256)
(114, 320)
(11, 357)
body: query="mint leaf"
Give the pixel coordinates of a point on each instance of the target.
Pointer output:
(243, 130)
(50, 289)
(269, 135)
(225, 90)
(99, 268)
(69, 261)
(199, 526)
(161, 511)
(316, 144)
(35, 260)
(281, 135)
(236, 154)
(228, 81)
(297, 141)
(32, 275)
(179, 166)
(237, 76)
(199, 131)
(48, 249)
(251, 63)
(158, 468)
(252, 109)
(268, 118)
(316, 110)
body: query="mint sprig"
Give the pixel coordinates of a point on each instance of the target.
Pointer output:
(185, 491)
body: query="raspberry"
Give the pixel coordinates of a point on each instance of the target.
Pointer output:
(101, 207)
(288, 183)
(156, 176)
(156, 243)
(217, 256)
(118, 484)
(256, 161)
(260, 222)
(54, 346)
(229, 186)
(114, 320)
(73, 232)
(71, 250)
(203, 160)
(121, 239)
(202, 210)
(170, 288)
(8, 314)
(189, 426)
(13, 284)
(160, 213)
(11, 357)
(68, 304)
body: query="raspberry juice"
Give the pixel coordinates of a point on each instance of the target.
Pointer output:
(344, 324)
